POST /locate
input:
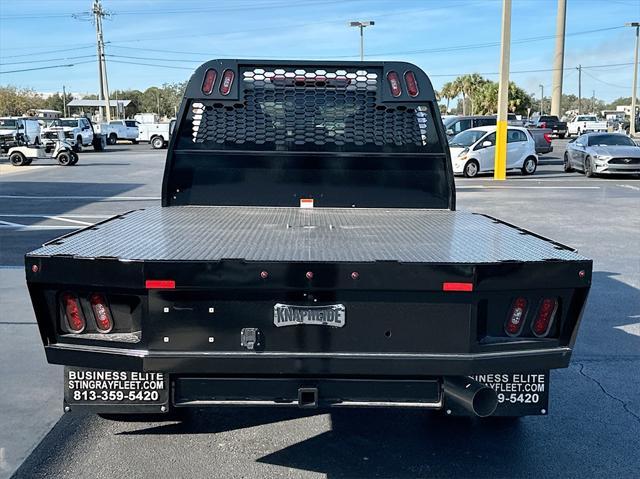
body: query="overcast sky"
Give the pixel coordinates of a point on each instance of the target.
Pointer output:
(445, 38)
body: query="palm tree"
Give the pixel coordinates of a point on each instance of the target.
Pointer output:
(448, 92)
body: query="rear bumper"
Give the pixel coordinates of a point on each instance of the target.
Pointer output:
(301, 364)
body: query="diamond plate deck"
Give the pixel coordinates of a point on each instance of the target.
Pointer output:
(191, 233)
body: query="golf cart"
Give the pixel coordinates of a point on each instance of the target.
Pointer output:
(54, 146)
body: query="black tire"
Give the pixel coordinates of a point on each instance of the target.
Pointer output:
(578, 132)
(27, 162)
(112, 139)
(64, 158)
(529, 166)
(17, 159)
(157, 142)
(471, 169)
(74, 158)
(561, 136)
(134, 142)
(78, 146)
(566, 165)
(588, 168)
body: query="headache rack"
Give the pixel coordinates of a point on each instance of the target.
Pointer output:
(271, 133)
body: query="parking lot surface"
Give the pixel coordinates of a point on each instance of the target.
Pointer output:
(593, 426)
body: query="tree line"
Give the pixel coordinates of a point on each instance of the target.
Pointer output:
(164, 100)
(476, 95)
(479, 96)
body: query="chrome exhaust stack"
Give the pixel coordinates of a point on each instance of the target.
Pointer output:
(464, 396)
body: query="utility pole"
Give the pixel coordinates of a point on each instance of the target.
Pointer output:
(579, 68)
(541, 99)
(593, 101)
(98, 14)
(64, 102)
(500, 166)
(634, 88)
(558, 60)
(362, 26)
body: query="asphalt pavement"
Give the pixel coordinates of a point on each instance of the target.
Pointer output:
(593, 426)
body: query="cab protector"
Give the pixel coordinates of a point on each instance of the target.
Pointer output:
(271, 133)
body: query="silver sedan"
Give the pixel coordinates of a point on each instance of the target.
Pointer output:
(603, 153)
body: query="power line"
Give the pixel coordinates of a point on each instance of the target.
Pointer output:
(164, 11)
(604, 82)
(152, 65)
(111, 55)
(67, 49)
(48, 60)
(47, 67)
(541, 70)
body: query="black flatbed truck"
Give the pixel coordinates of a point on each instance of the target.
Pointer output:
(308, 253)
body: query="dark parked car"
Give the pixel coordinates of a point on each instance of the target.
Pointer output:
(552, 122)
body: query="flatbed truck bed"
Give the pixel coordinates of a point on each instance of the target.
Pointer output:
(307, 252)
(210, 233)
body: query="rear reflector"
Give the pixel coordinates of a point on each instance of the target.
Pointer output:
(101, 313)
(517, 317)
(457, 286)
(394, 83)
(544, 318)
(227, 81)
(209, 81)
(547, 137)
(412, 84)
(160, 284)
(73, 313)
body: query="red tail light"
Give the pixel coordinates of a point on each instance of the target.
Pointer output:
(516, 318)
(73, 313)
(227, 81)
(209, 81)
(542, 125)
(547, 137)
(457, 286)
(101, 313)
(394, 83)
(544, 318)
(412, 84)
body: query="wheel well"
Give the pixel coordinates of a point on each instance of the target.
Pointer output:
(112, 134)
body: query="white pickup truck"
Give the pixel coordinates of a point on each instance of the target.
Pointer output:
(585, 124)
(77, 131)
(119, 130)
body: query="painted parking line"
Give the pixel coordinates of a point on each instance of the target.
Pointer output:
(635, 188)
(66, 219)
(491, 187)
(97, 198)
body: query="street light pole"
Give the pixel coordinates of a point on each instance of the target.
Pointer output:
(541, 99)
(558, 60)
(99, 13)
(500, 166)
(361, 26)
(634, 92)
